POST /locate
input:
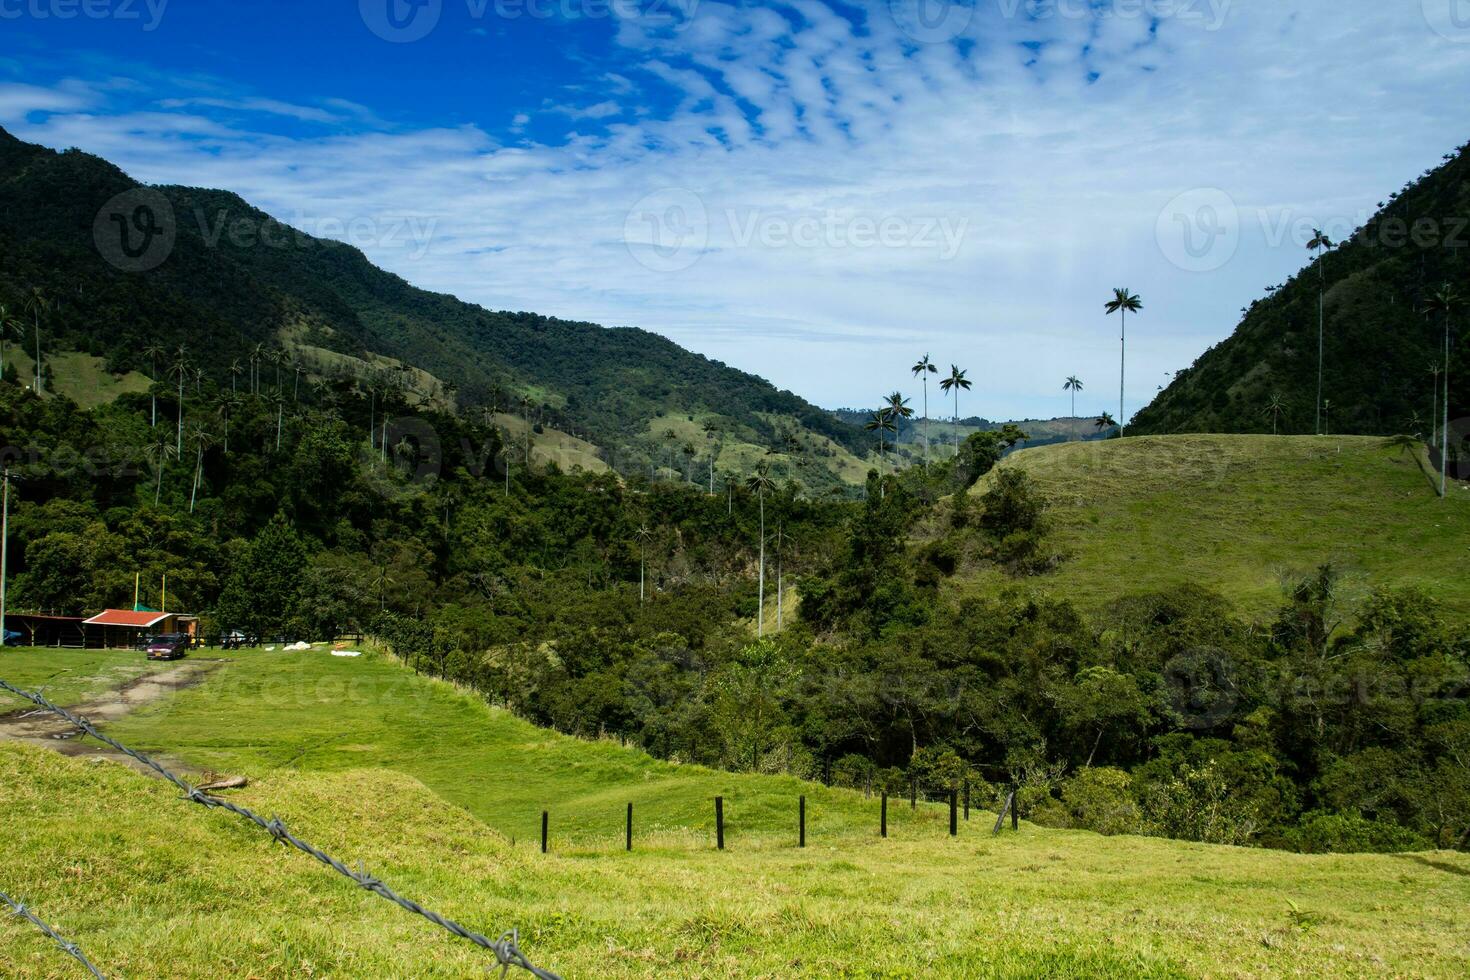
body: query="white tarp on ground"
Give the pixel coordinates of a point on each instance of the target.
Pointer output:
(346, 653)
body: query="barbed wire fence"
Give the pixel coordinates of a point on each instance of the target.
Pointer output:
(62, 943)
(506, 949)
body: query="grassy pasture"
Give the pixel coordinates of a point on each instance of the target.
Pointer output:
(428, 787)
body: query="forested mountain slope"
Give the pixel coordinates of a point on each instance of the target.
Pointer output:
(234, 278)
(1379, 343)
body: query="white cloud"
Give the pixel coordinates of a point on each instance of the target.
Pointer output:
(1054, 142)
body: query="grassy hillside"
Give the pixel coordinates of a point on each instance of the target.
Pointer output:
(423, 784)
(1377, 344)
(1236, 513)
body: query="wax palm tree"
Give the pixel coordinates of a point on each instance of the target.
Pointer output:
(1320, 244)
(37, 305)
(153, 352)
(1444, 301)
(236, 369)
(923, 369)
(201, 438)
(1104, 422)
(180, 370)
(257, 354)
(159, 452)
(898, 410)
(643, 534)
(1122, 303)
(880, 422)
(761, 483)
(1404, 442)
(1073, 385)
(225, 411)
(1275, 405)
(278, 400)
(955, 383)
(1433, 370)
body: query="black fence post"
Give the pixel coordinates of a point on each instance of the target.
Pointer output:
(545, 818)
(913, 792)
(630, 826)
(801, 820)
(883, 816)
(967, 800)
(1015, 817)
(720, 822)
(954, 811)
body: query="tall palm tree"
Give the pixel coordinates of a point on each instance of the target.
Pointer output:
(1275, 405)
(257, 354)
(1444, 301)
(1327, 417)
(923, 369)
(1433, 370)
(1073, 385)
(1122, 303)
(898, 410)
(153, 352)
(880, 422)
(159, 452)
(180, 370)
(1320, 244)
(761, 483)
(201, 438)
(37, 305)
(279, 400)
(1104, 422)
(643, 534)
(236, 369)
(955, 383)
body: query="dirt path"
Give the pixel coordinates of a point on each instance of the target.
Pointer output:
(36, 726)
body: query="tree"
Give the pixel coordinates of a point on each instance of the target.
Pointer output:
(37, 305)
(1104, 422)
(159, 452)
(1073, 385)
(8, 325)
(201, 438)
(898, 410)
(180, 370)
(880, 422)
(257, 354)
(236, 369)
(1320, 243)
(760, 482)
(955, 382)
(1275, 405)
(643, 534)
(153, 352)
(1444, 301)
(1122, 303)
(923, 369)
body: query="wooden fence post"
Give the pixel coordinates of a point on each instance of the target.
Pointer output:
(883, 817)
(720, 822)
(630, 826)
(954, 810)
(967, 800)
(913, 792)
(1015, 816)
(801, 820)
(545, 817)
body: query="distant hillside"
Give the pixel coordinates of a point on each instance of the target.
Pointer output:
(1238, 513)
(221, 290)
(1378, 343)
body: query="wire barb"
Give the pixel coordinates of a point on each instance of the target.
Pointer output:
(506, 949)
(65, 945)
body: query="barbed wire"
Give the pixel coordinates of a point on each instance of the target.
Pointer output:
(506, 948)
(65, 945)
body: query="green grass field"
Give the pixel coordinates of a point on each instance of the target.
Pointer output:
(68, 676)
(1237, 513)
(440, 796)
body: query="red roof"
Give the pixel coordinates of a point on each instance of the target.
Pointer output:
(126, 617)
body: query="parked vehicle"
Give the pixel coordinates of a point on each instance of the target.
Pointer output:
(168, 646)
(12, 638)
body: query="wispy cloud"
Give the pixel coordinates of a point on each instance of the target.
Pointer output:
(784, 209)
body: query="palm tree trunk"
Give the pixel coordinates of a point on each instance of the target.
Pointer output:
(38, 353)
(179, 444)
(1321, 330)
(760, 615)
(158, 486)
(640, 576)
(1122, 367)
(926, 420)
(1444, 435)
(1074, 414)
(198, 465)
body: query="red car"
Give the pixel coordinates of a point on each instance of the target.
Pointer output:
(168, 646)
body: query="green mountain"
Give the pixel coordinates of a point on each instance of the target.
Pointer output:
(229, 277)
(1378, 344)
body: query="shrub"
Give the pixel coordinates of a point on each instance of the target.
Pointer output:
(1349, 832)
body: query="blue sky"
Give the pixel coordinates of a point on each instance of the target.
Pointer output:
(815, 191)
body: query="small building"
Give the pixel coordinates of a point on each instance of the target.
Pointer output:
(127, 628)
(37, 630)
